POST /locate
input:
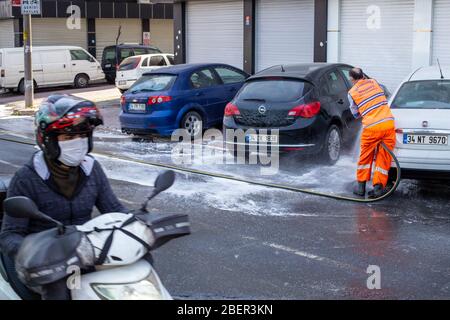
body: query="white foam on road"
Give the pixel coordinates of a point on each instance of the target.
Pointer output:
(222, 194)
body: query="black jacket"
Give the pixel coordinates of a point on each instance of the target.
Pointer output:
(33, 181)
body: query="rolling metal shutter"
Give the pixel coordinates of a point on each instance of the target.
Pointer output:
(7, 33)
(54, 32)
(161, 34)
(384, 53)
(441, 33)
(284, 32)
(215, 32)
(106, 33)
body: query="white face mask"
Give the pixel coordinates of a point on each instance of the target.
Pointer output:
(73, 151)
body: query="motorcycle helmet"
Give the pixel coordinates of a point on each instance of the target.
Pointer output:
(64, 114)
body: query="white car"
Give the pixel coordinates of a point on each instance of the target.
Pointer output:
(132, 68)
(421, 106)
(52, 66)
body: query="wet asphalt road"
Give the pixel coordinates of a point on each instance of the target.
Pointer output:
(314, 248)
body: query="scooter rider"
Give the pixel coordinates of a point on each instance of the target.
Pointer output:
(62, 179)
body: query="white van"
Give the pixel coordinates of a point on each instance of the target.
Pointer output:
(52, 66)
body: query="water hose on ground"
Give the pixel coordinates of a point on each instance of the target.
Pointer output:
(263, 184)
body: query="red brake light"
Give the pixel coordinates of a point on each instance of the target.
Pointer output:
(231, 110)
(305, 110)
(122, 100)
(158, 99)
(399, 130)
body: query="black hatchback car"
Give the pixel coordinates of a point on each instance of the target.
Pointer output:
(307, 103)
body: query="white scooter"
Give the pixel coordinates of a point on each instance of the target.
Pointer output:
(116, 245)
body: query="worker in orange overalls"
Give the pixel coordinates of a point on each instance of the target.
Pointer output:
(368, 101)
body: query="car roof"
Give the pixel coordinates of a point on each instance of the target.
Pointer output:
(307, 71)
(149, 55)
(187, 67)
(132, 46)
(45, 48)
(429, 73)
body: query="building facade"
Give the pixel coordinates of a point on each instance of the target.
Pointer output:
(387, 38)
(92, 25)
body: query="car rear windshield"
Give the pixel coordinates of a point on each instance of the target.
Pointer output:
(129, 63)
(428, 94)
(275, 90)
(109, 54)
(154, 82)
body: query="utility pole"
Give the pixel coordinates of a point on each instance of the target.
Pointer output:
(28, 7)
(28, 63)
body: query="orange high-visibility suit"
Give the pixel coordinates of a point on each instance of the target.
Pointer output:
(368, 101)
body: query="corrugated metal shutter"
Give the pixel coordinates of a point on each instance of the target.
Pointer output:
(384, 53)
(215, 32)
(7, 33)
(161, 34)
(441, 32)
(106, 32)
(54, 31)
(284, 32)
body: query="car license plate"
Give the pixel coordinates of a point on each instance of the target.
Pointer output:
(140, 107)
(425, 139)
(264, 138)
(122, 82)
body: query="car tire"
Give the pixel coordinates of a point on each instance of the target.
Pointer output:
(193, 123)
(110, 80)
(81, 81)
(332, 146)
(21, 87)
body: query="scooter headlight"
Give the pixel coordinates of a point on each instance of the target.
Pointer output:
(147, 289)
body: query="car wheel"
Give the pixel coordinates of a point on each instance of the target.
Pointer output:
(81, 81)
(111, 80)
(331, 150)
(193, 123)
(21, 87)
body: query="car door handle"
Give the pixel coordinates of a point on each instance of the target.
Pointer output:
(340, 101)
(74, 64)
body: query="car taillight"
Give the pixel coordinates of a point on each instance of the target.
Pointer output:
(2, 73)
(399, 130)
(308, 110)
(231, 110)
(122, 100)
(158, 99)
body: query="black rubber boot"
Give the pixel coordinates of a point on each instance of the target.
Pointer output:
(377, 191)
(360, 189)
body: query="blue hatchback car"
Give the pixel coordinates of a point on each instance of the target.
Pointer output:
(189, 96)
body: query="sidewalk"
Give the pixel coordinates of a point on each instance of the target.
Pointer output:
(95, 94)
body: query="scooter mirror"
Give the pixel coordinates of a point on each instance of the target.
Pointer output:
(164, 181)
(21, 207)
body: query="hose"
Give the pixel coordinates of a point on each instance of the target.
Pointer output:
(263, 184)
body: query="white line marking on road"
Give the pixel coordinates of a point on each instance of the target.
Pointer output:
(294, 251)
(10, 164)
(310, 256)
